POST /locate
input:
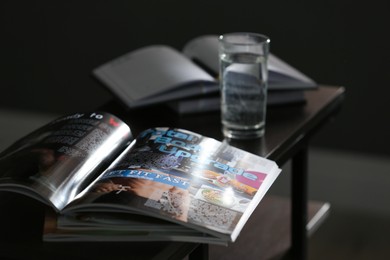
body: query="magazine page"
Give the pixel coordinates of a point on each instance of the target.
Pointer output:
(54, 163)
(183, 177)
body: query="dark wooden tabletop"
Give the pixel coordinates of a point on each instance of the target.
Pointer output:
(284, 125)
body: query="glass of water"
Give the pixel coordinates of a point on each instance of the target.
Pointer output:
(244, 79)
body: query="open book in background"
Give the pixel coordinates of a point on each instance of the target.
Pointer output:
(158, 73)
(167, 184)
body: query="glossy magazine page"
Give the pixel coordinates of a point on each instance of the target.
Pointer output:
(55, 162)
(183, 177)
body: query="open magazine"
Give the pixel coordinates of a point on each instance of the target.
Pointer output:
(160, 73)
(165, 184)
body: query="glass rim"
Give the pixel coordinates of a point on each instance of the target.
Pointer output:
(261, 38)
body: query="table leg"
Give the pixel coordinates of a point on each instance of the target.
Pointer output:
(201, 252)
(299, 204)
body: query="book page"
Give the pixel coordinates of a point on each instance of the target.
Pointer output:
(183, 177)
(54, 163)
(205, 50)
(281, 75)
(280, 71)
(146, 72)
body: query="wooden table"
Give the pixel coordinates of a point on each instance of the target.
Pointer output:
(288, 133)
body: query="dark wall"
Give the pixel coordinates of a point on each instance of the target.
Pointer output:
(48, 49)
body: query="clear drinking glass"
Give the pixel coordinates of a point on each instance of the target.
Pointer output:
(244, 78)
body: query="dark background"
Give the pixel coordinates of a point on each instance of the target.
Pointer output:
(49, 48)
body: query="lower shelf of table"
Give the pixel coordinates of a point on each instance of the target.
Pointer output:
(267, 234)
